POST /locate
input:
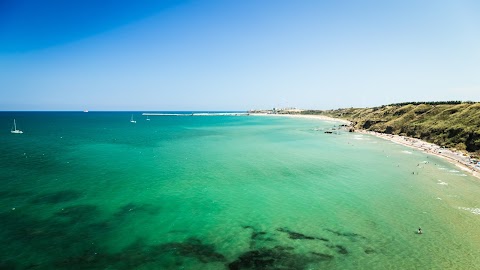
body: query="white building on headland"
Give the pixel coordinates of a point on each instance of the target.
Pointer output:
(289, 111)
(279, 111)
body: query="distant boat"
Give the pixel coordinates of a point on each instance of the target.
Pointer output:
(132, 121)
(148, 119)
(85, 110)
(14, 129)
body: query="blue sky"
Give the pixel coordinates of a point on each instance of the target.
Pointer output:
(235, 55)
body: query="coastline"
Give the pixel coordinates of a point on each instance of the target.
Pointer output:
(454, 157)
(306, 116)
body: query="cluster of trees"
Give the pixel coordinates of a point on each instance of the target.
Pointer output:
(453, 102)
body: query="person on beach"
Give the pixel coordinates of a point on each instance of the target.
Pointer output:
(419, 230)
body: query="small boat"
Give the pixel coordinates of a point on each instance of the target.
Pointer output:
(132, 121)
(14, 129)
(148, 119)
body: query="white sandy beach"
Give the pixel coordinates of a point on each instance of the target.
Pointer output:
(318, 117)
(454, 157)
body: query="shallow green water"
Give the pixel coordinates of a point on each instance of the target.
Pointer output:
(93, 191)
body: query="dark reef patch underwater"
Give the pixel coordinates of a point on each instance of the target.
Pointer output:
(74, 234)
(57, 197)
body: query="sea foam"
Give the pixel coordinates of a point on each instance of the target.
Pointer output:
(440, 182)
(475, 211)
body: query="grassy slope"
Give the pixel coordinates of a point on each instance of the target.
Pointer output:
(450, 125)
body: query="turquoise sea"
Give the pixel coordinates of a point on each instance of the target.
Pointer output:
(94, 191)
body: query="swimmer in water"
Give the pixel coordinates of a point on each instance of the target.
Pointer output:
(420, 230)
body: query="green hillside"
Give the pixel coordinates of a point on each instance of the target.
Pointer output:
(451, 124)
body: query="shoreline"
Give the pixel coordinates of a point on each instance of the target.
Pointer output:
(305, 116)
(456, 158)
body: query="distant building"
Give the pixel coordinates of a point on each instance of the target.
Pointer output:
(279, 111)
(289, 111)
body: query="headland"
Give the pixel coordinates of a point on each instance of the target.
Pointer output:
(398, 118)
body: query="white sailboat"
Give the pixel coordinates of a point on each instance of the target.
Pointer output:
(132, 121)
(14, 129)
